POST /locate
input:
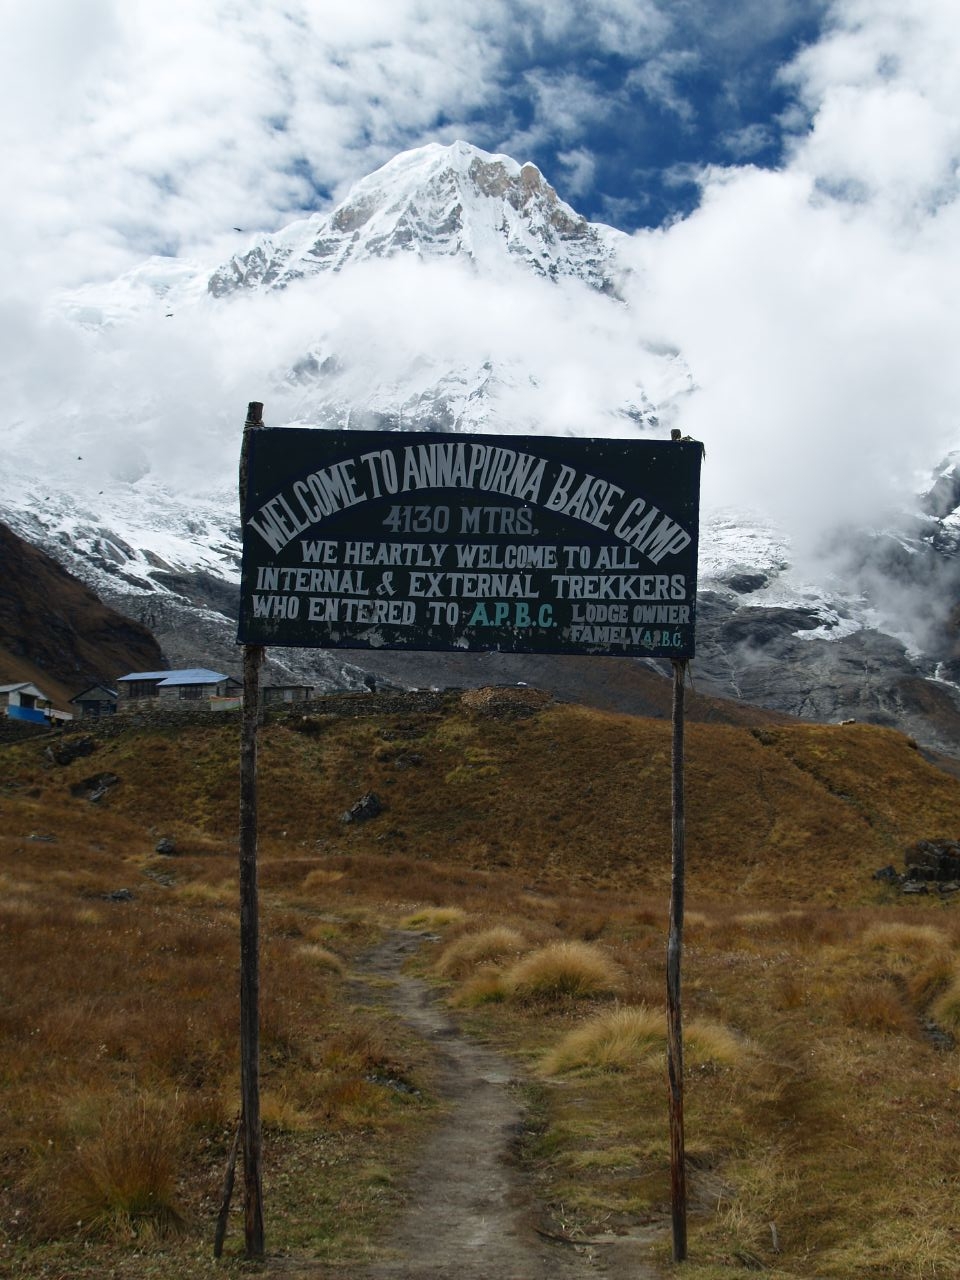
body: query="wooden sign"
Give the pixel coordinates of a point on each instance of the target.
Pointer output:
(522, 544)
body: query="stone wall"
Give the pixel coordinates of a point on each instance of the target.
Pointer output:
(21, 730)
(152, 713)
(155, 712)
(394, 703)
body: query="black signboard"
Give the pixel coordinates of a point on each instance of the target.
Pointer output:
(524, 544)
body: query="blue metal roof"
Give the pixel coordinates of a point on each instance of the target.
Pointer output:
(191, 675)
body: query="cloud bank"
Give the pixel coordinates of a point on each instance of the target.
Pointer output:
(816, 302)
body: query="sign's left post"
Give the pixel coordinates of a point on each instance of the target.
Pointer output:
(249, 912)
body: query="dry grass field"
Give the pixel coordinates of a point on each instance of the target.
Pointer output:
(822, 1088)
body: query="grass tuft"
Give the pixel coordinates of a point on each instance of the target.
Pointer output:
(946, 1007)
(623, 1038)
(434, 918)
(877, 1006)
(473, 949)
(563, 970)
(321, 878)
(934, 976)
(281, 1114)
(119, 1182)
(322, 958)
(199, 893)
(903, 939)
(484, 988)
(613, 1041)
(711, 1044)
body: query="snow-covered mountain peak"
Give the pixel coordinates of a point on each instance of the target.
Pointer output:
(435, 202)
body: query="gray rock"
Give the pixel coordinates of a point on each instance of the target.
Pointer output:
(95, 787)
(755, 656)
(933, 860)
(889, 874)
(744, 583)
(367, 807)
(70, 750)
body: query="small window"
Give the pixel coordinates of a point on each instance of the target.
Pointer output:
(142, 688)
(191, 691)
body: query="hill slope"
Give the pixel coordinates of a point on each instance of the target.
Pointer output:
(56, 632)
(491, 783)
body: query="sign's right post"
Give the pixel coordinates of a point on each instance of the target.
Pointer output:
(678, 1180)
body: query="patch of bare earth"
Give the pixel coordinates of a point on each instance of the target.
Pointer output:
(470, 1212)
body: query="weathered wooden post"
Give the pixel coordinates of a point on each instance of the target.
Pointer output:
(678, 1177)
(249, 914)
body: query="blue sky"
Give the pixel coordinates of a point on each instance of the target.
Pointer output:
(706, 90)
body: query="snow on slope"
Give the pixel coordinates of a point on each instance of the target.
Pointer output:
(438, 202)
(141, 530)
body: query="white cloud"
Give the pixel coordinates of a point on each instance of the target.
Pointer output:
(888, 142)
(182, 120)
(884, 97)
(129, 127)
(566, 105)
(744, 143)
(165, 394)
(579, 170)
(816, 304)
(657, 77)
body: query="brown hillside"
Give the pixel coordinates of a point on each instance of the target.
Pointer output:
(567, 793)
(54, 630)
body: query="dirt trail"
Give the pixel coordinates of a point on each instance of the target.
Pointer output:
(470, 1213)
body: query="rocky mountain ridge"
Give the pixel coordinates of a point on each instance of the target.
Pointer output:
(437, 202)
